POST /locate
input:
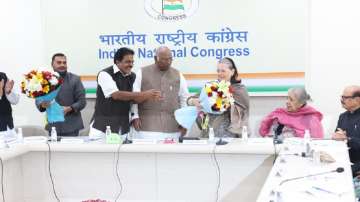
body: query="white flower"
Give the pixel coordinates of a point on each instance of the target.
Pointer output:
(34, 85)
(223, 86)
(53, 81)
(56, 74)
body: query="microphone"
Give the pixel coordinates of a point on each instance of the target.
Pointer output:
(127, 141)
(278, 139)
(337, 170)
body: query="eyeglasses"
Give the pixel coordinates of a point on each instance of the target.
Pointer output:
(343, 97)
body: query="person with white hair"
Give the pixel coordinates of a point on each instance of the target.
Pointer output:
(295, 118)
(156, 120)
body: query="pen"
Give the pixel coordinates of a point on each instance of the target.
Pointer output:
(324, 190)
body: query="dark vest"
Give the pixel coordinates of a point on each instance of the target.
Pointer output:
(110, 112)
(5, 108)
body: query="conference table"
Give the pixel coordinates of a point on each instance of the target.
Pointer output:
(296, 177)
(69, 172)
(136, 172)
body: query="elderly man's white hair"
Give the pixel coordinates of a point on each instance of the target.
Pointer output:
(300, 93)
(160, 49)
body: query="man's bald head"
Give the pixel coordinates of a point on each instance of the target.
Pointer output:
(350, 98)
(163, 58)
(352, 89)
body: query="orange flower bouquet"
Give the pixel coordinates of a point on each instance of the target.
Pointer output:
(44, 87)
(215, 98)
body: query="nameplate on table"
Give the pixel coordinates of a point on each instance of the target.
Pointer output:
(197, 142)
(72, 140)
(144, 141)
(35, 139)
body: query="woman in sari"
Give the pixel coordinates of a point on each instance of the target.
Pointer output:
(295, 118)
(231, 122)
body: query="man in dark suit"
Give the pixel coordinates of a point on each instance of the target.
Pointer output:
(348, 127)
(71, 97)
(7, 97)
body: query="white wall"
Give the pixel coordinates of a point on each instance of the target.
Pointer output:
(334, 53)
(21, 48)
(333, 45)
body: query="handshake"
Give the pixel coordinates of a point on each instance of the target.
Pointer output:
(138, 97)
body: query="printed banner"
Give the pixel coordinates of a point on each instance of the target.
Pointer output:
(266, 39)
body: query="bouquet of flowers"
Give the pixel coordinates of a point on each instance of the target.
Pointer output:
(44, 86)
(215, 98)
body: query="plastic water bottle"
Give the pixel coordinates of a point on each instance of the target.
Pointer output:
(108, 131)
(53, 133)
(20, 135)
(306, 143)
(211, 135)
(244, 134)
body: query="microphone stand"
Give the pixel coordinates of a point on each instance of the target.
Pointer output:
(127, 140)
(221, 141)
(277, 139)
(338, 170)
(278, 194)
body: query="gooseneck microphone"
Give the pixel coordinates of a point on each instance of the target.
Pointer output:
(337, 170)
(277, 139)
(277, 134)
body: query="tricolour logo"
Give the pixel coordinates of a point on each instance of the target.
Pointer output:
(171, 10)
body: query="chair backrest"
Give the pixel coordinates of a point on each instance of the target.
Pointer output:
(329, 124)
(33, 130)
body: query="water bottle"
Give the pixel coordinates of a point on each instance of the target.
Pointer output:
(53, 133)
(20, 135)
(306, 143)
(211, 135)
(108, 131)
(244, 134)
